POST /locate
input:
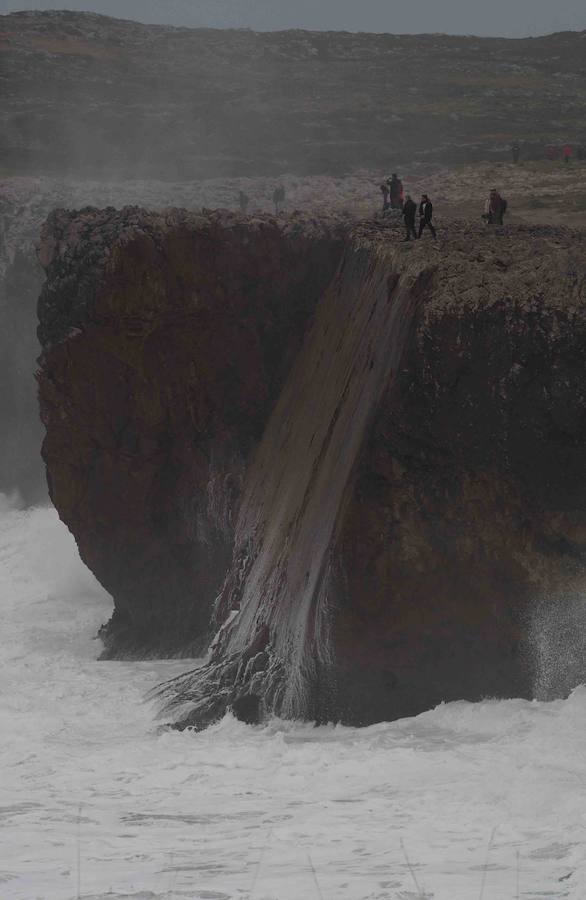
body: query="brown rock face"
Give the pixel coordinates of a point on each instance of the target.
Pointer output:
(469, 499)
(167, 339)
(380, 526)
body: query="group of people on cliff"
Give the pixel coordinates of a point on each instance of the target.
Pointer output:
(553, 152)
(425, 217)
(279, 196)
(394, 198)
(392, 191)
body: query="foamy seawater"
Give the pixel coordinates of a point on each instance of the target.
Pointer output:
(96, 802)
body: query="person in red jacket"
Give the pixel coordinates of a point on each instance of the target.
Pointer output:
(567, 153)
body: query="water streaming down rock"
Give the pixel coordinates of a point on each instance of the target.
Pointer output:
(272, 652)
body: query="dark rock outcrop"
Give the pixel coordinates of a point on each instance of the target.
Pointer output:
(166, 340)
(469, 499)
(411, 488)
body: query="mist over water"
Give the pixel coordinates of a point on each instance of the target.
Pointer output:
(557, 644)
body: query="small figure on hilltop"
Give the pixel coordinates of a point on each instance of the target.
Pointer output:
(567, 152)
(515, 151)
(426, 215)
(409, 210)
(395, 191)
(243, 202)
(494, 208)
(278, 199)
(384, 189)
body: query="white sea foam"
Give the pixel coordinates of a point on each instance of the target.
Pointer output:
(239, 812)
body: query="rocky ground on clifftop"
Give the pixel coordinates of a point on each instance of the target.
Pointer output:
(548, 193)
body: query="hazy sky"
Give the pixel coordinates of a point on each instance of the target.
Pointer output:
(497, 17)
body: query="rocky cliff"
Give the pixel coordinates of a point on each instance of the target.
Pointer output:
(166, 338)
(107, 98)
(371, 453)
(469, 498)
(536, 193)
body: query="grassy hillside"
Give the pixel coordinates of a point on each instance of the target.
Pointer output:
(93, 95)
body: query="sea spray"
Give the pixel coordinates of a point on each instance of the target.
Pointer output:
(556, 644)
(192, 813)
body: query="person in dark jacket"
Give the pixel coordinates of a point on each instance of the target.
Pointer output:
(426, 215)
(384, 189)
(409, 210)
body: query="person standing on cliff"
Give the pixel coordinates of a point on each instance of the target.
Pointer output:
(243, 202)
(409, 210)
(495, 208)
(278, 198)
(515, 150)
(396, 191)
(425, 216)
(384, 189)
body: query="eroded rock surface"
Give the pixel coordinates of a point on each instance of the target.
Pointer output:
(468, 508)
(380, 492)
(167, 338)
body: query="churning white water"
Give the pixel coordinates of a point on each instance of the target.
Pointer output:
(467, 801)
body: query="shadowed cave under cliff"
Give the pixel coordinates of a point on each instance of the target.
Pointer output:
(358, 464)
